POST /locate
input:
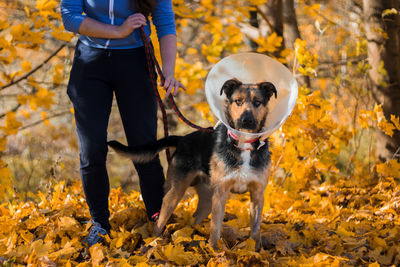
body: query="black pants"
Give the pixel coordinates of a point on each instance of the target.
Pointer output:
(95, 75)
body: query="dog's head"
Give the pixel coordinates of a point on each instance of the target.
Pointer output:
(246, 104)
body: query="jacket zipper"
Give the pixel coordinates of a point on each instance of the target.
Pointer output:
(111, 16)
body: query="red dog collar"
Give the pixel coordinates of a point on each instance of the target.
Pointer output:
(237, 138)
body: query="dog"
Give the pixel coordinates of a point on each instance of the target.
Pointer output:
(217, 163)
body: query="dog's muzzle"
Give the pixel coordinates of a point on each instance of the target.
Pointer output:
(247, 121)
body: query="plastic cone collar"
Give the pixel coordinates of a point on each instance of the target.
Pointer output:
(253, 68)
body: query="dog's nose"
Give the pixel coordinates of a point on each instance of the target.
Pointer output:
(247, 120)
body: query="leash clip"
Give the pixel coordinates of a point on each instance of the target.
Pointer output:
(262, 142)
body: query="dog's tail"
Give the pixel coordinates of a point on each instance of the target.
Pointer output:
(147, 152)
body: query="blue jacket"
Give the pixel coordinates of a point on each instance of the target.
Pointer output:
(115, 12)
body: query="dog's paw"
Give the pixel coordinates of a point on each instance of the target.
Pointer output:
(157, 231)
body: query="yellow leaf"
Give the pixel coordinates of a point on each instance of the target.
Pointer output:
(26, 66)
(68, 223)
(178, 255)
(58, 74)
(388, 12)
(341, 230)
(395, 121)
(11, 124)
(183, 234)
(363, 118)
(97, 254)
(386, 127)
(249, 245)
(42, 98)
(257, 2)
(5, 174)
(271, 44)
(44, 117)
(22, 99)
(40, 248)
(25, 113)
(3, 143)
(4, 24)
(46, 4)
(389, 169)
(60, 34)
(205, 112)
(191, 51)
(375, 264)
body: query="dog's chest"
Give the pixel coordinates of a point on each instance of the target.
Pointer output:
(243, 174)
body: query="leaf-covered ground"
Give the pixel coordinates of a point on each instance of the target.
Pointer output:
(343, 225)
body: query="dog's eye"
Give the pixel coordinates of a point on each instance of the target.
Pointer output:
(238, 102)
(257, 103)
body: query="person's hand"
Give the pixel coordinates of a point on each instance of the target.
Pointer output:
(172, 85)
(131, 23)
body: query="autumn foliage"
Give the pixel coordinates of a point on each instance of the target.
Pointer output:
(330, 201)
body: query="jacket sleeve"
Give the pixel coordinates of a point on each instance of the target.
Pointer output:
(71, 13)
(164, 18)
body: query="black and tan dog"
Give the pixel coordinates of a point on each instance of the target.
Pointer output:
(217, 163)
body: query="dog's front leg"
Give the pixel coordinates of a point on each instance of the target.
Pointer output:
(256, 207)
(217, 214)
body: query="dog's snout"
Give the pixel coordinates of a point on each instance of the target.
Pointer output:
(247, 120)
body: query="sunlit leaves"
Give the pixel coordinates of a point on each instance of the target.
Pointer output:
(389, 12)
(11, 124)
(270, 44)
(3, 24)
(23, 35)
(26, 66)
(60, 34)
(257, 2)
(389, 169)
(315, 226)
(322, 208)
(205, 111)
(365, 118)
(307, 60)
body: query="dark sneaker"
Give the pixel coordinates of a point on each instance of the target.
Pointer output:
(155, 216)
(96, 234)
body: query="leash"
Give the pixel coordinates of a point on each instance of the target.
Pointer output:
(154, 68)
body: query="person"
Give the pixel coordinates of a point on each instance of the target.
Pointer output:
(110, 58)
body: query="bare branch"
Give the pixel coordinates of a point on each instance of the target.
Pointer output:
(265, 18)
(12, 110)
(35, 69)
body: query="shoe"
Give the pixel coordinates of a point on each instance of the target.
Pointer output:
(155, 216)
(96, 234)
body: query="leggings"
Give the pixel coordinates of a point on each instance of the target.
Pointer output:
(95, 75)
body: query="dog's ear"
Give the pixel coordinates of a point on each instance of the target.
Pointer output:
(229, 86)
(269, 89)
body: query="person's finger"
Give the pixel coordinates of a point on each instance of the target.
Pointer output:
(176, 87)
(169, 89)
(137, 15)
(167, 83)
(182, 86)
(137, 20)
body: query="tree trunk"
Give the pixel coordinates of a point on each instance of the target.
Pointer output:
(291, 31)
(274, 14)
(385, 88)
(291, 27)
(255, 24)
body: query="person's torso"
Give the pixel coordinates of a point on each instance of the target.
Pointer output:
(113, 12)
